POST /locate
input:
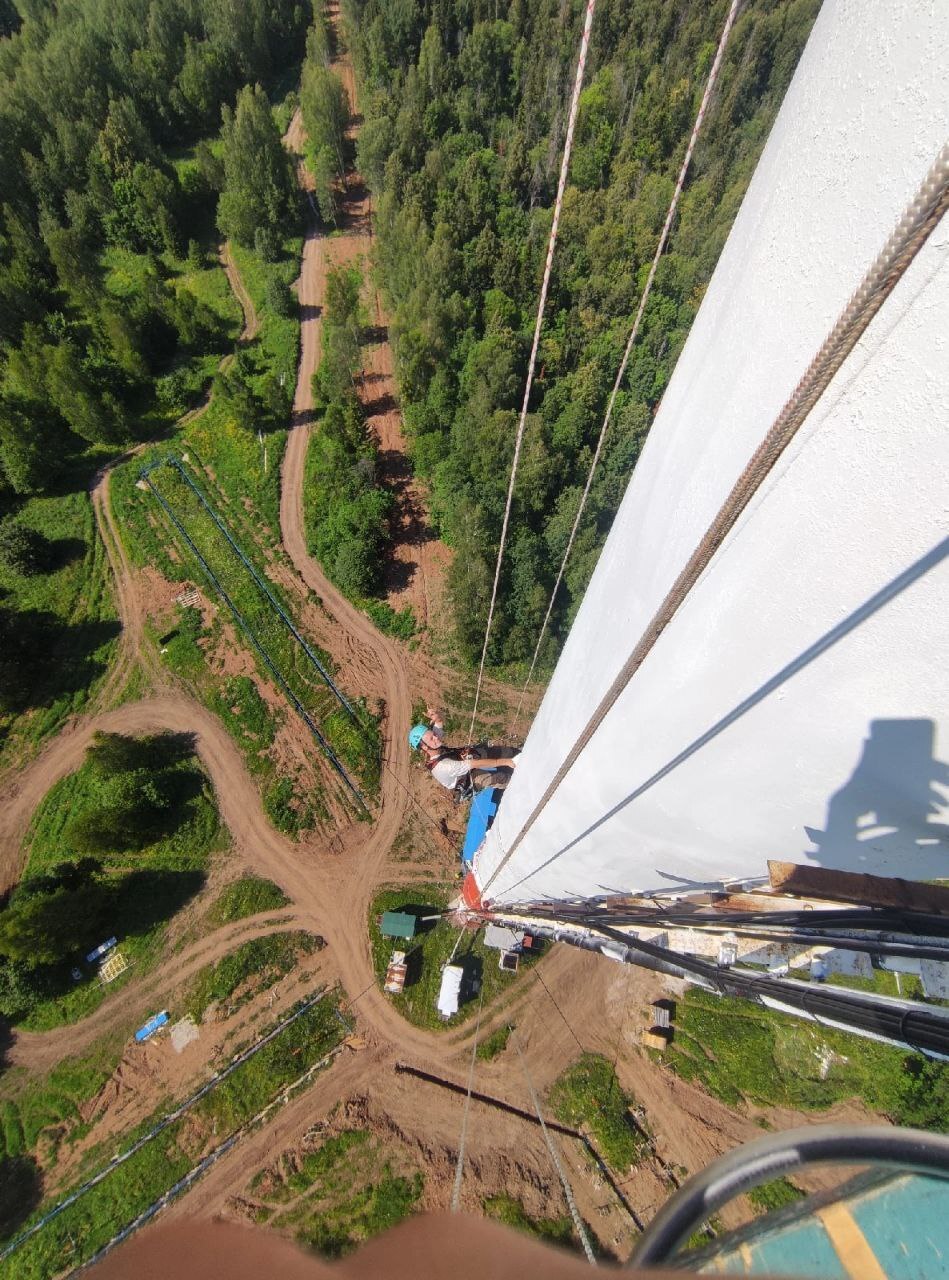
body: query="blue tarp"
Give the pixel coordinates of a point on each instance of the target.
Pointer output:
(151, 1026)
(483, 808)
(100, 951)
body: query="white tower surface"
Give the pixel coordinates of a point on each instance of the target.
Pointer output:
(797, 707)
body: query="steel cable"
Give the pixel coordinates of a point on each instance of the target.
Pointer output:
(631, 341)
(541, 305)
(920, 217)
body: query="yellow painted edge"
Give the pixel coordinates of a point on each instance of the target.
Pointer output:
(850, 1244)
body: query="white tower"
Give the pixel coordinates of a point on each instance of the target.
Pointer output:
(797, 707)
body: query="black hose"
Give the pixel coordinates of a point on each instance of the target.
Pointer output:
(909, 1150)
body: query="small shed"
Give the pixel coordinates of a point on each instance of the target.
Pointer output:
(397, 924)
(499, 937)
(449, 993)
(395, 973)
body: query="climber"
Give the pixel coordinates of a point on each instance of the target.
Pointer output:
(450, 766)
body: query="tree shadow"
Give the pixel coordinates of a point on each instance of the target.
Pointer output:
(6, 1041)
(43, 658)
(372, 335)
(21, 1190)
(65, 551)
(310, 311)
(379, 405)
(398, 575)
(144, 899)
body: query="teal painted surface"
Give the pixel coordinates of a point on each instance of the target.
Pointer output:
(801, 1249)
(907, 1226)
(904, 1219)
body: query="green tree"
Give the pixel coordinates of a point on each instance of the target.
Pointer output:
(326, 113)
(259, 190)
(24, 550)
(323, 169)
(279, 295)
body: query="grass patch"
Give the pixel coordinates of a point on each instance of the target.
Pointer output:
(79, 1231)
(252, 721)
(68, 615)
(285, 808)
(193, 824)
(739, 1050)
(511, 1213)
(251, 967)
(589, 1094)
(146, 886)
(321, 1165)
(48, 1106)
(246, 897)
(494, 1044)
(400, 623)
(429, 951)
(775, 1195)
(353, 1191)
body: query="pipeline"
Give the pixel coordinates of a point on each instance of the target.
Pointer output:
(914, 1027)
(252, 637)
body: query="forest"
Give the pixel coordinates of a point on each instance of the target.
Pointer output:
(136, 135)
(134, 138)
(464, 114)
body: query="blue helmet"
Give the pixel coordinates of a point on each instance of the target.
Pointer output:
(417, 734)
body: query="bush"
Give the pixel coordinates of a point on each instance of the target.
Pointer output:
(23, 550)
(279, 296)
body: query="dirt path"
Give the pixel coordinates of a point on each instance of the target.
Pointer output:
(239, 290)
(40, 1051)
(571, 1002)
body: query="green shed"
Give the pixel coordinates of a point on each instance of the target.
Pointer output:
(397, 924)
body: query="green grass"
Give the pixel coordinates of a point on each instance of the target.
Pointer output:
(775, 1195)
(401, 623)
(589, 1094)
(246, 897)
(494, 1044)
(285, 809)
(153, 882)
(83, 1228)
(76, 601)
(32, 1105)
(196, 833)
(511, 1212)
(321, 1165)
(352, 1192)
(253, 966)
(429, 951)
(238, 702)
(739, 1050)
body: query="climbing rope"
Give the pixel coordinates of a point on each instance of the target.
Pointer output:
(459, 1167)
(555, 1158)
(542, 303)
(631, 341)
(920, 217)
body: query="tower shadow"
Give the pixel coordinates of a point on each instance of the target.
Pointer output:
(886, 808)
